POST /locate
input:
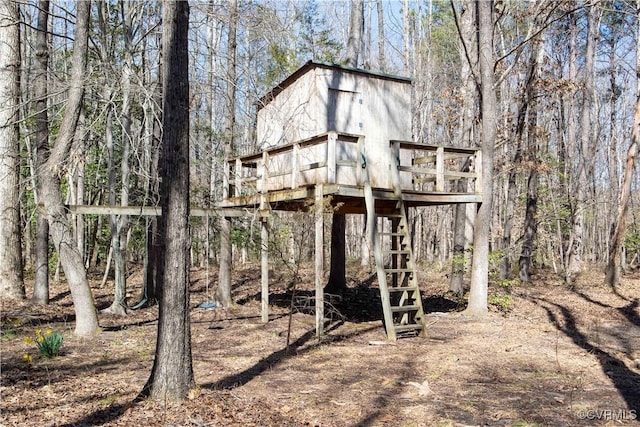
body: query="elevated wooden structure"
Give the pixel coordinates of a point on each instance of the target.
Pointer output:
(315, 172)
(342, 136)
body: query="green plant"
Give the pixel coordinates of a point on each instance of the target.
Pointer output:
(48, 343)
(502, 302)
(506, 283)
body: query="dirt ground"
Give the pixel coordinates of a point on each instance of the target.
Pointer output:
(547, 355)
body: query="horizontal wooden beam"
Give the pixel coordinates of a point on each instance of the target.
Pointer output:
(152, 211)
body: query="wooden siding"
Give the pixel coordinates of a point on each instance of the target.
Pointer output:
(323, 99)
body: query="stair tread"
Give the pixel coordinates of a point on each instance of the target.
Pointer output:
(402, 288)
(409, 327)
(401, 308)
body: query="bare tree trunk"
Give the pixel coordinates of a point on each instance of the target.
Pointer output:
(356, 29)
(467, 48)
(530, 226)
(172, 374)
(337, 282)
(576, 251)
(223, 292)
(60, 230)
(382, 61)
(120, 223)
(480, 267)
(11, 280)
(619, 227)
(41, 118)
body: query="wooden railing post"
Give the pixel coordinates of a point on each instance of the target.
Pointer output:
(396, 182)
(440, 169)
(294, 166)
(361, 161)
(332, 139)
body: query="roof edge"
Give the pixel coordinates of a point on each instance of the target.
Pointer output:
(271, 94)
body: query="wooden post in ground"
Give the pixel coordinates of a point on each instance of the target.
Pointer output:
(319, 259)
(264, 267)
(264, 235)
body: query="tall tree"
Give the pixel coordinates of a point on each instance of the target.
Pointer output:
(468, 52)
(223, 292)
(619, 226)
(11, 280)
(576, 249)
(50, 177)
(172, 374)
(337, 281)
(41, 118)
(488, 116)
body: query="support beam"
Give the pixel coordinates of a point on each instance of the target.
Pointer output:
(152, 211)
(319, 259)
(264, 267)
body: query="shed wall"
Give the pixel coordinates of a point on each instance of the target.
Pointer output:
(332, 99)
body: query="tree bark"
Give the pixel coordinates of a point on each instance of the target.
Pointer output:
(337, 282)
(59, 228)
(172, 374)
(480, 266)
(619, 227)
(223, 292)
(576, 251)
(465, 136)
(11, 278)
(41, 118)
(356, 29)
(382, 61)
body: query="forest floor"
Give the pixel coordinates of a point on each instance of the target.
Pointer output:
(546, 355)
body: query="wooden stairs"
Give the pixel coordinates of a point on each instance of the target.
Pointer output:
(399, 291)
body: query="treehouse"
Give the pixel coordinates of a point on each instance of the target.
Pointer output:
(342, 136)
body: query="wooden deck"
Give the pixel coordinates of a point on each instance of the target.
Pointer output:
(285, 177)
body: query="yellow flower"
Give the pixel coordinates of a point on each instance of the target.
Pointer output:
(28, 340)
(38, 332)
(40, 338)
(27, 358)
(48, 332)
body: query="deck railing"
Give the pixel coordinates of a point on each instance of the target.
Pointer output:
(436, 168)
(338, 158)
(329, 158)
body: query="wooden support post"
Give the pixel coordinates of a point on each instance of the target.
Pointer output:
(294, 166)
(440, 169)
(264, 267)
(319, 259)
(332, 139)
